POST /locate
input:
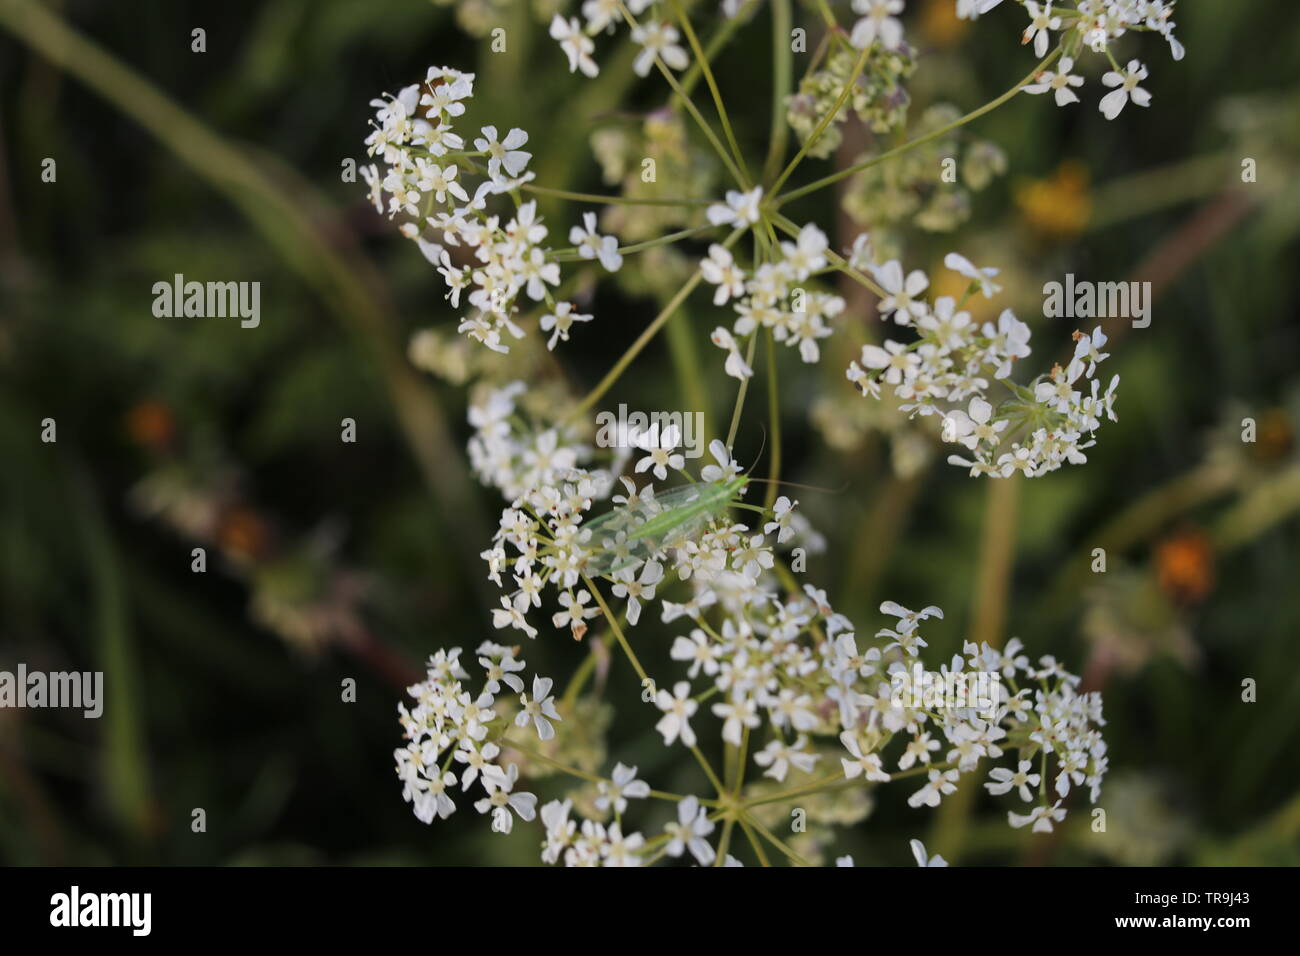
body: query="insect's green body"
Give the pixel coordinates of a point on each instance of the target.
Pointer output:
(710, 499)
(626, 536)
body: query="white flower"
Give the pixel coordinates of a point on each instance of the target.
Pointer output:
(619, 850)
(659, 445)
(1005, 780)
(726, 467)
(678, 707)
(879, 23)
(1127, 89)
(901, 291)
(737, 713)
(561, 320)
(591, 245)
(574, 614)
(622, 785)
(658, 40)
(973, 426)
(808, 255)
(1087, 348)
(502, 672)
(782, 513)
(895, 356)
(1041, 23)
(507, 615)
(970, 9)
(932, 792)
(720, 269)
(539, 708)
(963, 266)
(735, 366)
(560, 830)
(1041, 817)
(864, 765)
(637, 590)
(689, 831)
(750, 559)
(861, 254)
(918, 851)
(699, 650)
(501, 801)
(476, 760)
(739, 207)
(1058, 82)
(577, 45)
(779, 756)
(946, 325)
(1010, 341)
(505, 154)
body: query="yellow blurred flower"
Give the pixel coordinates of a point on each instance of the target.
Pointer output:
(940, 25)
(1060, 206)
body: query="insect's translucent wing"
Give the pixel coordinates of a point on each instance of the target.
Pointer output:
(619, 539)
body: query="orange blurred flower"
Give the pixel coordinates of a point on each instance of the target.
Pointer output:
(150, 424)
(243, 535)
(1185, 566)
(1274, 436)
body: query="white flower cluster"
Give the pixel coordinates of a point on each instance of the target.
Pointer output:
(788, 668)
(494, 262)
(794, 669)
(519, 465)
(787, 671)
(452, 726)
(545, 537)
(658, 39)
(770, 296)
(1094, 24)
(947, 369)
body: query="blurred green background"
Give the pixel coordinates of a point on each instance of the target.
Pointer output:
(329, 561)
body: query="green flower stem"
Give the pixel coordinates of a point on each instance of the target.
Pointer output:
(572, 255)
(754, 842)
(744, 390)
(771, 838)
(618, 631)
(531, 754)
(708, 771)
(801, 791)
(644, 338)
(779, 136)
(584, 671)
(610, 200)
(920, 140)
(723, 844)
(828, 15)
(685, 99)
(716, 42)
(773, 423)
(684, 351)
(712, 83)
(825, 121)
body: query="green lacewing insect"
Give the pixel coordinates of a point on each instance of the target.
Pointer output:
(629, 535)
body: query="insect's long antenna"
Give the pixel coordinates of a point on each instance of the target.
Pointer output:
(761, 446)
(796, 484)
